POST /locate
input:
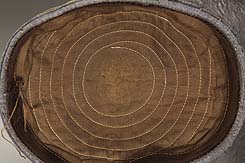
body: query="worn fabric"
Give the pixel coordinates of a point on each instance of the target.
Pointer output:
(121, 82)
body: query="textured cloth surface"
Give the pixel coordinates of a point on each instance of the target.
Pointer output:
(120, 82)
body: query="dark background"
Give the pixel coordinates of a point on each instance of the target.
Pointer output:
(14, 13)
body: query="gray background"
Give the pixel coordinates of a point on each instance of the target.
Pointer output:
(14, 13)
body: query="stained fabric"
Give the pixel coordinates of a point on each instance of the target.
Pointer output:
(124, 83)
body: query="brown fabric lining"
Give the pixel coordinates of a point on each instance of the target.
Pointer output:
(115, 81)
